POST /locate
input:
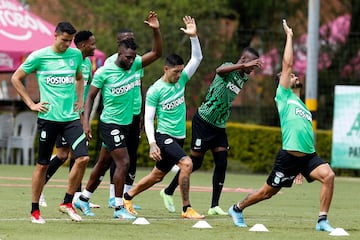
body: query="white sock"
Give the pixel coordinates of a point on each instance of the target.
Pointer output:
(127, 187)
(77, 195)
(112, 190)
(118, 201)
(86, 193)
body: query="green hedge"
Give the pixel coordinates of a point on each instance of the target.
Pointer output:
(252, 147)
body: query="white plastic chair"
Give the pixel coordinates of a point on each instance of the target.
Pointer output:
(23, 138)
(6, 129)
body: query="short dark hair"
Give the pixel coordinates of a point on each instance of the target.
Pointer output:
(277, 79)
(65, 27)
(252, 51)
(173, 59)
(125, 30)
(82, 36)
(128, 43)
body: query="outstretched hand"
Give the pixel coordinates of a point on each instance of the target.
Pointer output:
(287, 29)
(190, 26)
(152, 20)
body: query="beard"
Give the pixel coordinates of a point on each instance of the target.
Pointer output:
(296, 84)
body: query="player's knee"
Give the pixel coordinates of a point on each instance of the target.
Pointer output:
(186, 164)
(42, 167)
(62, 155)
(330, 176)
(157, 175)
(82, 161)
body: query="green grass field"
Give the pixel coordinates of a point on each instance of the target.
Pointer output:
(291, 214)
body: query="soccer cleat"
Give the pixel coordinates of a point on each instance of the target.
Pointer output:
(123, 214)
(216, 211)
(94, 205)
(69, 210)
(168, 201)
(324, 226)
(84, 207)
(36, 218)
(42, 201)
(111, 202)
(192, 214)
(128, 205)
(237, 217)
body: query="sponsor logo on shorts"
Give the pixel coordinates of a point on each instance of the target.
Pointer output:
(43, 135)
(115, 132)
(168, 141)
(278, 176)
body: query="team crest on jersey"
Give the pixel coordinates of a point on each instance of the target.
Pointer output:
(168, 141)
(85, 68)
(71, 62)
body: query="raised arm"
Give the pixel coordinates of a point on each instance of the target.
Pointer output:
(244, 65)
(156, 52)
(196, 54)
(287, 62)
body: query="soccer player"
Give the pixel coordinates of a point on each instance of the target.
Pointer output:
(58, 71)
(297, 158)
(86, 43)
(116, 81)
(208, 125)
(134, 129)
(165, 99)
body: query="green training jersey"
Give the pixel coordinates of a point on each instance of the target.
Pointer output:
(216, 108)
(169, 101)
(87, 75)
(56, 77)
(295, 122)
(117, 90)
(137, 89)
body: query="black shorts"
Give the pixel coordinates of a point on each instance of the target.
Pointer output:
(287, 167)
(61, 142)
(72, 132)
(114, 135)
(171, 151)
(206, 136)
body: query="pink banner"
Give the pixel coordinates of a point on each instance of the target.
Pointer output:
(22, 32)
